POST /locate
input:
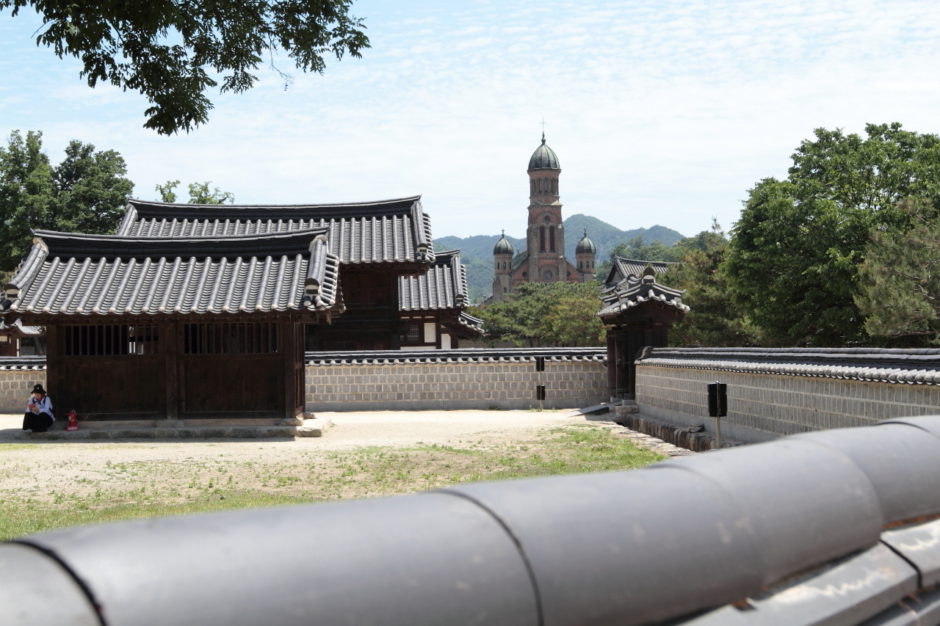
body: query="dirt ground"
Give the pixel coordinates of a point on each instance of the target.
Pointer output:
(54, 467)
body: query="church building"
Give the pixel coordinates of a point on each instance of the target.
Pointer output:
(543, 260)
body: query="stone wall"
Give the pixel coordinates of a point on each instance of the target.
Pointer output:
(504, 378)
(799, 392)
(15, 385)
(461, 379)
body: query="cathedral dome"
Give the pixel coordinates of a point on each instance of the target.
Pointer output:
(544, 158)
(503, 246)
(585, 245)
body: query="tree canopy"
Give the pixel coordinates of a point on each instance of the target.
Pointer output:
(900, 278)
(714, 319)
(635, 248)
(86, 192)
(794, 256)
(546, 314)
(199, 193)
(174, 52)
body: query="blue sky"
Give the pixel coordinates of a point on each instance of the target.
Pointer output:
(661, 112)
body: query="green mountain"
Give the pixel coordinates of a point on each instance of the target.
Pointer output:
(477, 251)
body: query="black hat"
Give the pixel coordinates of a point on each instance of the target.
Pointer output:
(37, 388)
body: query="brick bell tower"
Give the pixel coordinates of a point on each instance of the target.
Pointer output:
(545, 235)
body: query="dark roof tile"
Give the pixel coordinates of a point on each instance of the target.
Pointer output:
(443, 286)
(387, 231)
(71, 274)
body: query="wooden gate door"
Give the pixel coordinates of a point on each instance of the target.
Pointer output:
(107, 370)
(232, 369)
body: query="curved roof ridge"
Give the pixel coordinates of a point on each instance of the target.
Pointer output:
(81, 245)
(178, 208)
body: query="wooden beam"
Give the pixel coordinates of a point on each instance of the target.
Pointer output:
(289, 351)
(169, 345)
(53, 362)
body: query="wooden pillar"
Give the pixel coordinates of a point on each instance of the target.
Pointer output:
(170, 346)
(625, 352)
(53, 362)
(291, 351)
(612, 362)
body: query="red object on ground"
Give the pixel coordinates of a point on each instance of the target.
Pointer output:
(73, 421)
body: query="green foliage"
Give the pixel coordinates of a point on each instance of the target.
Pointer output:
(546, 314)
(714, 319)
(900, 278)
(173, 52)
(637, 248)
(86, 192)
(794, 255)
(199, 193)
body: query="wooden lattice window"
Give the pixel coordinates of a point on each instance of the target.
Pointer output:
(111, 340)
(231, 338)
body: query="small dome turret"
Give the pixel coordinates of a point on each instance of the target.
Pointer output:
(503, 246)
(544, 158)
(585, 245)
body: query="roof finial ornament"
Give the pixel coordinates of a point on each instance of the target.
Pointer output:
(585, 231)
(543, 129)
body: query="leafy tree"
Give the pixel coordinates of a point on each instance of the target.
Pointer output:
(634, 248)
(713, 319)
(199, 193)
(173, 52)
(900, 278)
(794, 255)
(26, 195)
(90, 188)
(86, 192)
(546, 314)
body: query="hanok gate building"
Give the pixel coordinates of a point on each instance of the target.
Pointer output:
(638, 312)
(204, 311)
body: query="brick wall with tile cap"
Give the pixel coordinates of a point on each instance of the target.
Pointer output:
(456, 379)
(777, 392)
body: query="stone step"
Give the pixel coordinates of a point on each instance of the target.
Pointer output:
(163, 430)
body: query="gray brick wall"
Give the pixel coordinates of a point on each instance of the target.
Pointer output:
(472, 384)
(766, 406)
(449, 385)
(15, 386)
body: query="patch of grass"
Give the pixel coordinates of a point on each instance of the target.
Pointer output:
(41, 516)
(112, 491)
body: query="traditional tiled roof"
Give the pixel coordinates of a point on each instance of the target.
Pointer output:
(462, 355)
(37, 362)
(387, 231)
(623, 268)
(471, 323)
(18, 328)
(443, 286)
(74, 274)
(883, 365)
(634, 291)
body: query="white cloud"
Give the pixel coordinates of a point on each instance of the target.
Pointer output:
(661, 112)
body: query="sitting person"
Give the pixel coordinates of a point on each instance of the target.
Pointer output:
(38, 417)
